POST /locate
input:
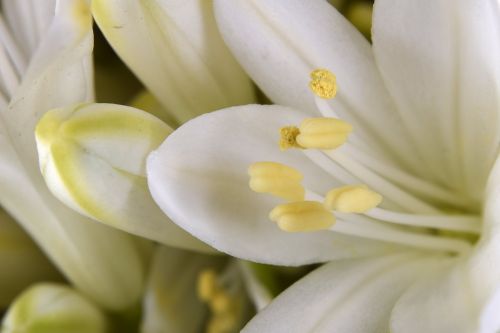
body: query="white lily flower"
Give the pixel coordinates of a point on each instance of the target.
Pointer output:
(53, 308)
(174, 47)
(45, 62)
(424, 108)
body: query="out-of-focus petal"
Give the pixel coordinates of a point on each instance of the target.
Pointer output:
(174, 47)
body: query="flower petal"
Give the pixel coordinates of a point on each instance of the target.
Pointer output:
(174, 47)
(28, 20)
(343, 296)
(199, 178)
(93, 157)
(92, 256)
(279, 43)
(460, 298)
(443, 72)
(171, 303)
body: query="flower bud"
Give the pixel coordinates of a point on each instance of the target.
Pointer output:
(53, 308)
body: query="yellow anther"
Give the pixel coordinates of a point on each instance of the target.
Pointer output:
(352, 199)
(323, 83)
(323, 133)
(302, 216)
(207, 285)
(288, 137)
(277, 179)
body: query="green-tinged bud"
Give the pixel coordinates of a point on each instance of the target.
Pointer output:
(93, 158)
(187, 75)
(52, 308)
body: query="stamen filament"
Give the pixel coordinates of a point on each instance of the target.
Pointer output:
(384, 187)
(373, 230)
(424, 188)
(465, 223)
(365, 227)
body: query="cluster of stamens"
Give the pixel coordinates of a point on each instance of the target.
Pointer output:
(223, 306)
(300, 215)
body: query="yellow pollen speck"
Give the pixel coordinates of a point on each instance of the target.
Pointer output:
(323, 133)
(277, 179)
(302, 216)
(352, 199)
(288, 137)
(323, 83)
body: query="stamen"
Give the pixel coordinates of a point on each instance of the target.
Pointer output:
(302, 216)
(461, 223)
(288, 137)
(361, 226)
(352, 199)
(207, 285)
(277, 179)
(323, 133)
(323, 83)
(225, 307)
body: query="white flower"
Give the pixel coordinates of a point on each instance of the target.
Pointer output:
(45, 62)
(424, 106)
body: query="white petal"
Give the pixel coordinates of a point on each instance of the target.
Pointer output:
(280, 42)
(93, 157)
(53, 308)
(174, 47)
(348, 296)
(439, 59)
(171, 303)
(460, 298)
(28, 20)
(92, 256)
(199, 178)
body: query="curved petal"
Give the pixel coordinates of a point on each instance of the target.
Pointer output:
(93, 158)
(92, 256)
(280, 42)
(344, 296)
(443, 71)
(459, 299)
(199, 178)
(174, 47)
